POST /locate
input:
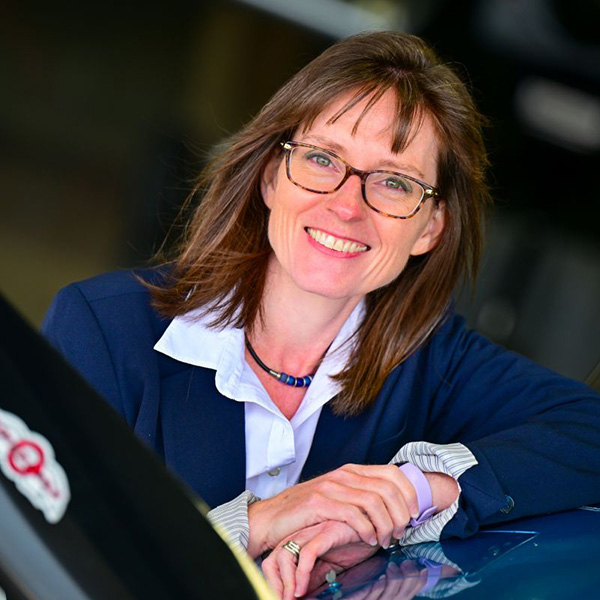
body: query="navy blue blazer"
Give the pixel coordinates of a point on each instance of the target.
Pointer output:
(535, 434)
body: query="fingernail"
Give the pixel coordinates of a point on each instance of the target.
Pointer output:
(373, 542)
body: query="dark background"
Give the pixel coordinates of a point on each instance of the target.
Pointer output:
(107, 110)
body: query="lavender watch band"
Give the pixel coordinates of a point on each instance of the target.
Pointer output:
(423, 489)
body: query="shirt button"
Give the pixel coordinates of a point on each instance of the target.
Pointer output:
(274, 472)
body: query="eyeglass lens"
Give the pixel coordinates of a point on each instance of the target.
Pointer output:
(319, 171)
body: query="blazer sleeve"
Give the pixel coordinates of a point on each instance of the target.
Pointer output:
(72, 327)
(534, 433)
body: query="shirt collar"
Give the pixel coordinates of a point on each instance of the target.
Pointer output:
(191, 340)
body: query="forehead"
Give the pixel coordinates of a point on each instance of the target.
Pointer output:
(378, 113)
(376, 127)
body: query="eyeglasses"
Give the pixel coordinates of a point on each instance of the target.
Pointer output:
(321, 171)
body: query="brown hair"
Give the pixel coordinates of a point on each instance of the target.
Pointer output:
(222, 258)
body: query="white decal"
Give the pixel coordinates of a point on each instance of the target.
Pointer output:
(27, 458)
(2, 594)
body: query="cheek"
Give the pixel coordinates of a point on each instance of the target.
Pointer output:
(281, 224)
(394, 252)
(385, 266)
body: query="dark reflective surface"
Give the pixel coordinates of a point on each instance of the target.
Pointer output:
(550, 557)
(127, 529)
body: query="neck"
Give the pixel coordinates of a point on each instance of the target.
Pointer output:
(297, 326)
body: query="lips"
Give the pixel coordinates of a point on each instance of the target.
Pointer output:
(335, 243)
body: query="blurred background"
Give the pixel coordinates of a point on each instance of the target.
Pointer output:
(108, 110)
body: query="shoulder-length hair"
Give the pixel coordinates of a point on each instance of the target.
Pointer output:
(220, 264)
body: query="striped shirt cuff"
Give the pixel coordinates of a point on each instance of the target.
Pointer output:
(232, 518)
(450, 459)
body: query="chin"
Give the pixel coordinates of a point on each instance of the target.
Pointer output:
(329, 289)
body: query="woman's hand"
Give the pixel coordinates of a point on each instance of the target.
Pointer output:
(331, 545)
(376, 501)
(335, 546)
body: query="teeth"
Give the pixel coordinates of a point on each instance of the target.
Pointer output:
(334, 243)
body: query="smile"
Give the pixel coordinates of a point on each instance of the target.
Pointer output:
(335, 243)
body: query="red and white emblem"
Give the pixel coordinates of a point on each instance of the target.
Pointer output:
(27, 458)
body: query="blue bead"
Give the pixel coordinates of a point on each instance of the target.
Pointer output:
(295, 381)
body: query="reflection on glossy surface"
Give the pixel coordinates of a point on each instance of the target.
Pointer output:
(552, 557)
(391, 576)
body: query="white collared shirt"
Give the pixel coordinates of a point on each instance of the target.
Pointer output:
(276, 448)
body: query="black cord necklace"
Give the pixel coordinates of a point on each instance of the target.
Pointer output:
(282, 377)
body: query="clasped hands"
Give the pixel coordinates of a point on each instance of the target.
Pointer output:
(339, 519)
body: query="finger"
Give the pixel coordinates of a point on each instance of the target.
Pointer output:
(287, 570)
(311, 551)
(410, 587)
(369, 527)
(287, 563)
(363, 593)
(380, 589)
(270, 570)
(303, 573)
(374, 506)
(380, 499)
(393, 475)
(396, 482)
(395, 580)
(412, 579)
(301, 507)
(385, 508)
(359, 502)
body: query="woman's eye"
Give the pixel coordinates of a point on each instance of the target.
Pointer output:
(395, 183)
(320, 159)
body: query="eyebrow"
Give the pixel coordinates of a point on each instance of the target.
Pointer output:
(385, 164)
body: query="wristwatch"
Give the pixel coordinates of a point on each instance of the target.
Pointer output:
(423, 489)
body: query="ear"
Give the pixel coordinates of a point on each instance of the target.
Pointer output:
(268, 180)
(432, 231)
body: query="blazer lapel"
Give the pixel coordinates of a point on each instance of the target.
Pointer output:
(203, 435)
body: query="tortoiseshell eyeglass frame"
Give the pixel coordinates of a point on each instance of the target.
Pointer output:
(428, 190)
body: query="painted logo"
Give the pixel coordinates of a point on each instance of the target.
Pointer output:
(27, 459)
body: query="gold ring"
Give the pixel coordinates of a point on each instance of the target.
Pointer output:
(292, 548)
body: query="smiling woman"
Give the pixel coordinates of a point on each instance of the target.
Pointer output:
(301, 342)
(344, 215)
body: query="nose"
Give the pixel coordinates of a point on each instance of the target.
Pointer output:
(347, 202)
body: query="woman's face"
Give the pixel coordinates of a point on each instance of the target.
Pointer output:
(380, 246)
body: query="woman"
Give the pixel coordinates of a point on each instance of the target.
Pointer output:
(331, 234)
